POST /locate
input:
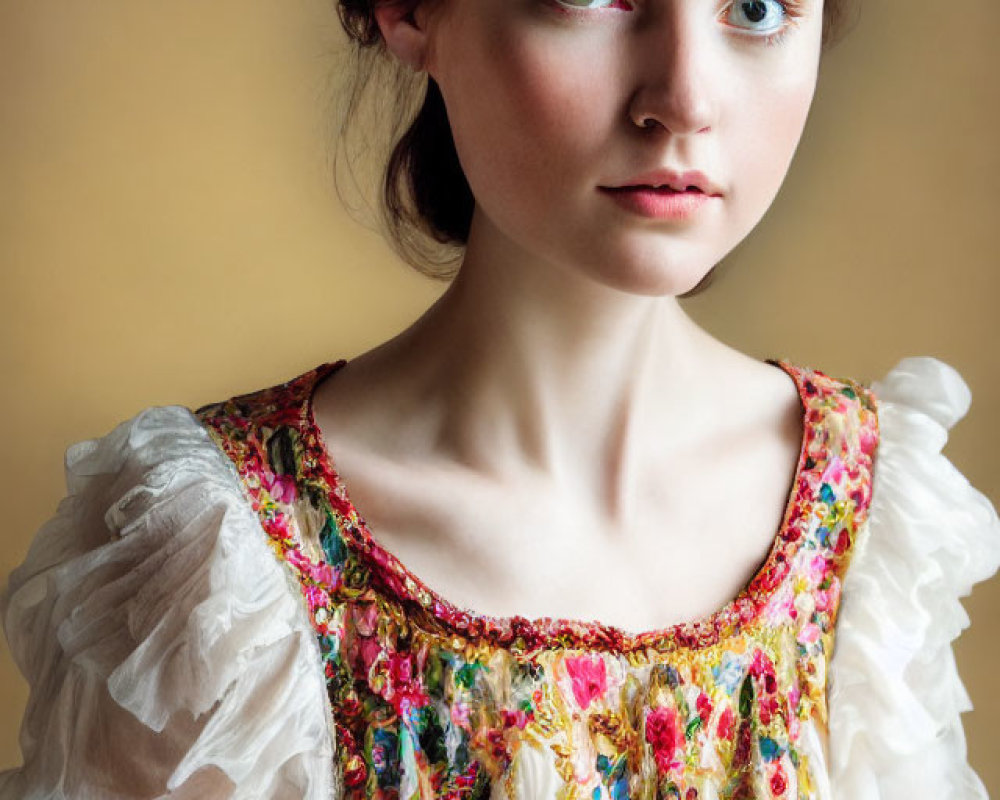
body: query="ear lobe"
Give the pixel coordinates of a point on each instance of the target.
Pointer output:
(403, 34)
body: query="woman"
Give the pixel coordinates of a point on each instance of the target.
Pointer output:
(544, 593)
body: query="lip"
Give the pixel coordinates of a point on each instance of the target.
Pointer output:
(658, 203)
(679, 181)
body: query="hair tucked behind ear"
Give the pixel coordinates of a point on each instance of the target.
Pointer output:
(393, 126)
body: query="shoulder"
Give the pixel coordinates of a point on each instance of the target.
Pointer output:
(839, 396)
(149, 610)
(266, 406)
(263, 427)
(841, 438)
(924, 389)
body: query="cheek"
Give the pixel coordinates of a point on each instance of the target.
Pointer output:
(527, 114)
(766, 134)
(776, 128)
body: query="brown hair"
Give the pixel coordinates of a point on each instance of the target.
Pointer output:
(426, 204)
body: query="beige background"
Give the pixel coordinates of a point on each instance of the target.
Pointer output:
(169, 234)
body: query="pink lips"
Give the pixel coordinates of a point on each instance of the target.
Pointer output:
(680, 181)
(664, 193)
(659, 203)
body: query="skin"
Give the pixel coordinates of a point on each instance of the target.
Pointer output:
(556, 415)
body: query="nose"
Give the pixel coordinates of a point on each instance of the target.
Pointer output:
(675, 77)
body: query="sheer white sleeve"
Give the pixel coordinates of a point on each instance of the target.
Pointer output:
(167, 650)
(895, 693)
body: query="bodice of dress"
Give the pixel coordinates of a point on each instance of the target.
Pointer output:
(205, 615)
(431, 700)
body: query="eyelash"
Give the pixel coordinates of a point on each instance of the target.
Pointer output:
(770, 39)
(791, 8)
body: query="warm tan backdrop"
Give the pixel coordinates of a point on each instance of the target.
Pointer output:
(169, 234)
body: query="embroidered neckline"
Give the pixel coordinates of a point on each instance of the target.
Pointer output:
(520, 633)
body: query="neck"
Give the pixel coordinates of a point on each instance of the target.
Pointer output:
(523, 363)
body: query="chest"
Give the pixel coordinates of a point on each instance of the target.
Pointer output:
(699, 533)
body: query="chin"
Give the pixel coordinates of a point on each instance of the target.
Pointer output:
(652, 275)
(654, 280)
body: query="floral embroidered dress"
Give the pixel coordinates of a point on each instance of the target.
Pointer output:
(208, 615)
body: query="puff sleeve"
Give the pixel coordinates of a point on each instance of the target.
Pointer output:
(167, 652)
(895, 695)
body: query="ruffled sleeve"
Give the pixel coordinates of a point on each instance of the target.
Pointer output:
(167, 651)
(895, 695)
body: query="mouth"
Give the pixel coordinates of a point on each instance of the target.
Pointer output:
(657, 189)
(669, 181)
(659, 202)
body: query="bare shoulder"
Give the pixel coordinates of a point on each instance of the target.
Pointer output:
(769, 400)
(357, 406)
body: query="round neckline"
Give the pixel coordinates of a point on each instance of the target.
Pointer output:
(523, 633)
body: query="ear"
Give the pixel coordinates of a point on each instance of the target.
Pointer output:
(404, 31)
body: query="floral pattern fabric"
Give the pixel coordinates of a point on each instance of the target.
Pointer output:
(431, 700)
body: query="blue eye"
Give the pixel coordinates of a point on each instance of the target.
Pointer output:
(752, 13)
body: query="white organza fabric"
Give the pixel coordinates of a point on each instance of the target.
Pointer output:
(170, 655)
(167, 650)
(894, 691)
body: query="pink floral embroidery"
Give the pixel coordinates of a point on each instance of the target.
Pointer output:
(843, 541)
(316, 596)
(835, 471)
(778, 782)
(516, 719)
(724, 729)
(321, 573)
(460, 714)
(404, 688)
(665, 736)
(868, 440)
(365, 618)
(704, 707)
(280, 529)
(280, 487)
(809, 633)
(817, 568)
(363, 653)
(589, 676)
(826, 599)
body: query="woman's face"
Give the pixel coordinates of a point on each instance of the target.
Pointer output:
(547, 99)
